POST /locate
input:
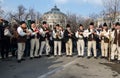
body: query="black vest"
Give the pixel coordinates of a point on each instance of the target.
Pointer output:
(92, 36)
(33, 36)
(57, 38)
(47, 35)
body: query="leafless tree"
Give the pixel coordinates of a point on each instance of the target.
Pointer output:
(21, 12)
(112, 8)
(72, 20)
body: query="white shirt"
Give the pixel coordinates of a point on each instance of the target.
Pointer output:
(87, 33)
(105, 33)
(7, 32)
(54, 34)
(78, 35)
(21, 32)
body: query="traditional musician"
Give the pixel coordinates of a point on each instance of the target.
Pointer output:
(68, 40)
(104, 36)
(35, 36)
(92, 35)
(22, 34)
(116, 42)
(80, 42)
(57, 35)
(45, 36)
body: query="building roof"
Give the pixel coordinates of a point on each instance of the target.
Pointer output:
(55, 10)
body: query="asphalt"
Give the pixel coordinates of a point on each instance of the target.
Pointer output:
(59, 67)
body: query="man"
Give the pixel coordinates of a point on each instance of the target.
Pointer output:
(7, 36)
(57, 35)
(45, 36)
(1, 38)
(35, 36)
(91, 34)
(68, 35)
(80, 42)
(116, 42)
(104, 36)
(22, 33)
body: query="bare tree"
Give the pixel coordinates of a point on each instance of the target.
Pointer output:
(72, 20)
(112, 8)
(1, 12)
(21, 12)
(32, 14)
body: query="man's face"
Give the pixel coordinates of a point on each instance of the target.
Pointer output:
(104, 27)
(81, 27)
(44, 25)
(68, 28)
(24, 25)
(91, 27)
(33, 25)
(57, 27)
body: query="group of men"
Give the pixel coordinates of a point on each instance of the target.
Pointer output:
(108, 40)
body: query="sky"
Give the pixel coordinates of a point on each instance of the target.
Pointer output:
(79, 7)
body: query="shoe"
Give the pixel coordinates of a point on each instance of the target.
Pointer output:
(19, 61)
(82, 56)
(60, 55)
(67, 55)
(31, 58)
(70, 56)
(55, 55)
(95, 57)
(48, 55)
(39, 56)
(102, 57)
(36, 57)
(88, 57)
(22, 59)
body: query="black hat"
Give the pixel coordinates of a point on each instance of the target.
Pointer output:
(22, 22)
(57, 25)
(117, 24)
(44, 22)
(105, 25)
(92, 23)
(32, 22)
(80, 25)
(68, 25)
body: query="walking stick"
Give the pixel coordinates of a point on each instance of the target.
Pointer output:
(109, 47)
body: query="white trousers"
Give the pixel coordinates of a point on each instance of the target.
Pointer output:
(47, 47)
(92, 44)
(80, 47)
(104, 49)
(113, 52)
(69, 47)
(57, 44)
(34, 44)
(21, 48)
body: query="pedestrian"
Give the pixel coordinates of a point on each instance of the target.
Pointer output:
(22, 34)
(34, 40)
(68, 37)
(80, 42)
(116, 43)
(92, 35)
(57, 35)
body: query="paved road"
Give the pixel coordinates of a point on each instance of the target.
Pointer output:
(56, 67)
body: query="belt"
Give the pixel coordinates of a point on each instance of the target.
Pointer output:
(80, 38)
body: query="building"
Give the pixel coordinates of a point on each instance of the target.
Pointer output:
(108, 19)
(55, 16)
